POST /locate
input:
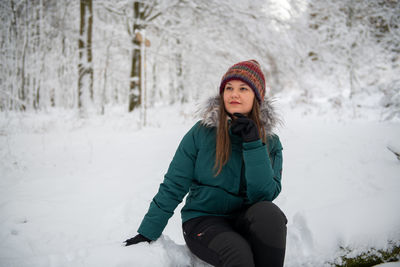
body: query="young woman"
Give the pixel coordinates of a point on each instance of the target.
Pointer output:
(230, 163)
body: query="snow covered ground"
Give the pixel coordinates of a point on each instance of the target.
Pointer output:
(71, 190)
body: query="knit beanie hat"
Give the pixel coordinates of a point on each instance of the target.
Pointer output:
(248, 72)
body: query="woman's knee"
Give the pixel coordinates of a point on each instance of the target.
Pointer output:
(267, 222)
(265, 211)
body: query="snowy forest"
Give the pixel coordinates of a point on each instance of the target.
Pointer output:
(96, 95)
(86, 55)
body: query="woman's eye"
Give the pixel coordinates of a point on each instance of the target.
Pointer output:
(228, 88)
(243, 88)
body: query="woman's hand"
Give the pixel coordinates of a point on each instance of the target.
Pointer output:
(244, 127)
(137, 239)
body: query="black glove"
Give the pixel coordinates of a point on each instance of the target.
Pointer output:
(245, 127)
(137, 239)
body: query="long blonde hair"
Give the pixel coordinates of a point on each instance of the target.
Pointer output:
(223, 142)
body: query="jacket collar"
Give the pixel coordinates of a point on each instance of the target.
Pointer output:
(209, 113)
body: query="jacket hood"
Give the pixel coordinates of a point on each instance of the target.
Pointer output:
(209, 113)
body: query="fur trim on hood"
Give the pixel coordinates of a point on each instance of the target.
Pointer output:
(209, 113)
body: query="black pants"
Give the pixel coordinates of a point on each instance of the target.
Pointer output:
(256, 237)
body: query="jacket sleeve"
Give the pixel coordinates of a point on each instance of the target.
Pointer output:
(173, 189)
(262, 171)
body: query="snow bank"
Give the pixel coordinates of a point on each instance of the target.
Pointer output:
(389, 264)
(72, 190)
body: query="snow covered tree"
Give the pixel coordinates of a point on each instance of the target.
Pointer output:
(38, 61)
(352, 45)
(343, 51)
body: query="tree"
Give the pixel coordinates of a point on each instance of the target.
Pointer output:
(327, 49)
(143, 13)
(85, 65)
(345, 48)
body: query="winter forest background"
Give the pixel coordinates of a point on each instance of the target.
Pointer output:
(86, 54)
(95, 96)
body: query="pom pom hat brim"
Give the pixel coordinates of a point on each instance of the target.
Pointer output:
(248, 72)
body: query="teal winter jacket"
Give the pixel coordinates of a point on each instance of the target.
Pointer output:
(252, 174)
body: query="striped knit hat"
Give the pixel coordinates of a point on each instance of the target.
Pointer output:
(248, 72)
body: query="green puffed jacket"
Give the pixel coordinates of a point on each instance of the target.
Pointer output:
(252, 173)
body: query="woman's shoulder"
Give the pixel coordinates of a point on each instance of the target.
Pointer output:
(200, 130)
(197, 136)
(201, 127)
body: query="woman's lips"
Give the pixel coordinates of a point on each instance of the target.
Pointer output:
(234, 103)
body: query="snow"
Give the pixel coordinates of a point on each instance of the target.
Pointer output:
(72, 189)
(389, 264)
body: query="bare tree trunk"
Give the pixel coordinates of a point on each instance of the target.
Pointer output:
(14, 99)
(179, 74)
(22, 95)
(350, 63)
(89, 46)
(37, 51)
(24, 87)
(85, 80)
(103, 93)
(135, 89)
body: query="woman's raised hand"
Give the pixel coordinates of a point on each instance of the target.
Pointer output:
(244, 127)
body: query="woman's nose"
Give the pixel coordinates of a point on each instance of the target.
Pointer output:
(235, 93)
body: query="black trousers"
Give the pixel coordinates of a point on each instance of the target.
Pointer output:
(255, 237)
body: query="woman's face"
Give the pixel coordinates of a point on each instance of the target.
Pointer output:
(238, 97)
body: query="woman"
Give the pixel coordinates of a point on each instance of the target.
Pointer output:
(230, 162)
